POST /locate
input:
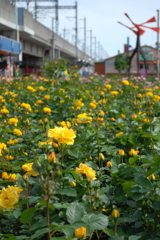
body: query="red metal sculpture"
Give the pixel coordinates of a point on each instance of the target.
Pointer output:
(139, 31)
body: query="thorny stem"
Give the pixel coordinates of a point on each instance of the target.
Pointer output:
(47, 208)
(115, 228)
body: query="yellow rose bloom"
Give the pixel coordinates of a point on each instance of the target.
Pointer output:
(47, 110)
(114, 93)
(9, 157)
(30, 88)
(3, 146)
(65, 124)
(115, 213)
(133, 152)
(108, 86)
(52, 157)
(101, 156)
(109, 164)
(119, 134)
(39, 101)
(4, 111)
(92, 105)
(66, 72)
(121, 152)
(27, 106)
(13, 121)
(87, 171)
(152, 177)
(146, 120)
(12, 177)
(134, 115)
(123, 115)
(84, 118)
(29, 170)
(5, 175)
(72, 184)
(78, 103)
(47, 97)
(9, 197)
(17, 132)
(125, 82)
(62, 135)
(80, 232)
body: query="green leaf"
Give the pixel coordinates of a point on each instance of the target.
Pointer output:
(132, 203)
(72, 152)
(149, 136)
(16, 213)
(127, 185)
(27, 215)
(156, 159)
(151, 171)
(133, 159)
(33, 199)
(58, 238)
(40, 232)
(22, 202)
(69, 192)
(116, 238)
(123, 140)
(74, 212)
(96, 222)
(43, 203)
(143, 181)
(134, 237)
(40, 224)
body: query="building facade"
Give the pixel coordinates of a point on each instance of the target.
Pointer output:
(151, 60)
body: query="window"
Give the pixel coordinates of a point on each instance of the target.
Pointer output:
(110, 64)
(141, 66)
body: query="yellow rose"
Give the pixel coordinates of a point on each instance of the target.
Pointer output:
(29, 170)
(101, 156)
(72, 183)
(5, 175)
(62, 135)
(17, 132)
(133, 152)
(87, 171)
(121, 153)
(47, 110)
(13, 121)
(84, 118)
(115, 214)
(52, 157)
(109, 164)
(151, 177)
(9, 197)
(80, 232)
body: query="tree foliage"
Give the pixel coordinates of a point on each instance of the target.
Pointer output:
(121, 62)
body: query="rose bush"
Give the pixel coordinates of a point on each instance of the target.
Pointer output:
(79, 157)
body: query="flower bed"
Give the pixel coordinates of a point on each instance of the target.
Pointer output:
(79, 158)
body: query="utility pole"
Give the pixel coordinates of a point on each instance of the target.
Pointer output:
(84, 39)
(57, 24)
(64, 33)
(95, 43)
(98, 51)
(91, 43)
(35, 9)
(76, 29)
(157, 44)
(53, 52)
(35, 4)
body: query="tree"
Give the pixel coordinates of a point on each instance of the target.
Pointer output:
(121, 62)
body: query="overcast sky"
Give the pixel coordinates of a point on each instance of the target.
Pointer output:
(102, 17)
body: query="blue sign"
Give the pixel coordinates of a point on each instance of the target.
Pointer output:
(9, 46)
